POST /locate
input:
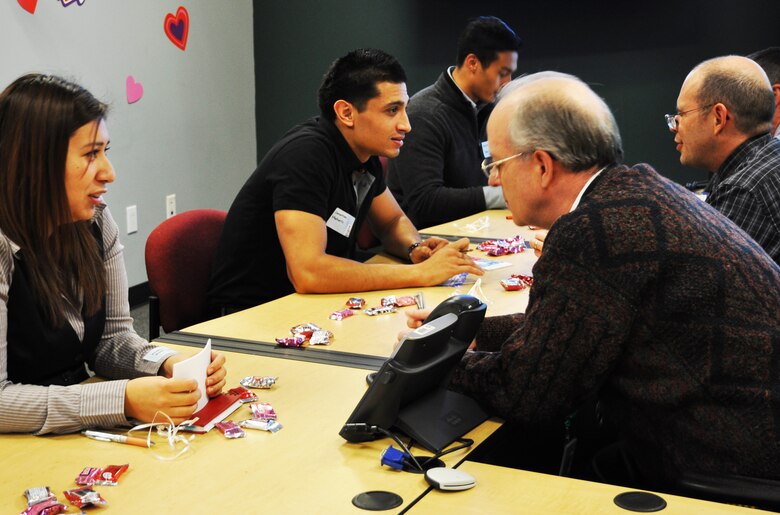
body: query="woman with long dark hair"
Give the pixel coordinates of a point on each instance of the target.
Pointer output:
(63, 286)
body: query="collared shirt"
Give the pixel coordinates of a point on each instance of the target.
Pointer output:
(468, 98)
(584, 189)
(26, 408)
(746, 189)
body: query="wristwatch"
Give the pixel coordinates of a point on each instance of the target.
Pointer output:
(411, 248)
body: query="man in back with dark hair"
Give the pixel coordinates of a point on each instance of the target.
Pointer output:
(437, 178)
(724, 114)
(769, 60)
(293, 225)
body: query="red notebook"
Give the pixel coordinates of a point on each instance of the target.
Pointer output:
(216, 410)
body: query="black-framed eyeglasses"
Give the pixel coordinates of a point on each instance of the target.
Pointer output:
(488, 164)
(672, 119)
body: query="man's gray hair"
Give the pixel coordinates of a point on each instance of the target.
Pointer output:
(750, 100)
(574, 133)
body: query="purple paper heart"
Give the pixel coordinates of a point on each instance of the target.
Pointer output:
(177, 29)
(66, 3)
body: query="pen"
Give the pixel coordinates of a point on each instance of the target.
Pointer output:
(419, 300)
(110, 437)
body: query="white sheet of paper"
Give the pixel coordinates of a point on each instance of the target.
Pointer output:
(195, 368)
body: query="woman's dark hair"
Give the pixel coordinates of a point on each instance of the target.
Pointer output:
(38, 116)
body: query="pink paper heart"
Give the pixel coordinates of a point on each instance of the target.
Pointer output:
(135, 90)
(28, 5)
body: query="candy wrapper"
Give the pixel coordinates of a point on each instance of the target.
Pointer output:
(502, 247)
(305, 330)
(321, 338)
(38, 495)
(108, 476)
(262, 411)
(356, 303)
(230, 429)
(381, 310)
(527, 279)
(392, 300)
(271, 426)
(513, 284)
(291, 341)
(82, 497)
(341, 315)
(261, 382)
(245, 395)
(50, 507)
(456, 280)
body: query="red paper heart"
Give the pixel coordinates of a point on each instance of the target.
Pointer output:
(177, 27)
(28, 5)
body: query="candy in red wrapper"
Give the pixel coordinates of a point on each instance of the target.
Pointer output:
(305, 330)
(244, 395)
(321, 338)
(262, 411)
(84, 496)
(230, 429)
(341, 315)
(513, 284)
(502, 247)
(291, 341)
(527, 279)
(356, 302)
(262, 382)
(108, 476)
(381, 310)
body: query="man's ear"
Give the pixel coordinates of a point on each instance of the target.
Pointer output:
(471, 63)
(344, 112)
(722, 118)
(544, 163)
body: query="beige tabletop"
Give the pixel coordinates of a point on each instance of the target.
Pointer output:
(306, 467)
(503, 490)
(360, 333)
(493, 223)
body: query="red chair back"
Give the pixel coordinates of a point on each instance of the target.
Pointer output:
(179, 256)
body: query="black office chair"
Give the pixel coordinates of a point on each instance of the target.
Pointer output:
(751, 491)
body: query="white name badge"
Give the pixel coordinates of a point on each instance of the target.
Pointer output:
(485, 150)
(341, 222)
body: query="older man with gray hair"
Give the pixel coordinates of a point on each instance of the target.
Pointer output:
(724, 115)
(644, 296)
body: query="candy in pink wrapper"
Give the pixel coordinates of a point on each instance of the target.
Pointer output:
(84, 496)
(321, 338)
(406, 300)
(355, 303)
(502, 247)
(341, 315)
(262, 382)
(108, 476)
(262, 411)
(513, 284)
(381, 310)
(230, 429)
(305, 330)
(271, 426)
(50, 507)
(244, 395)
(291, 341)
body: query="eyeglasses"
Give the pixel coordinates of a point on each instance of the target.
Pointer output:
(488, 164)
(671, 119)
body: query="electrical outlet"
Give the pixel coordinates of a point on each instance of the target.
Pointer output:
(170, 205)
(132, 219)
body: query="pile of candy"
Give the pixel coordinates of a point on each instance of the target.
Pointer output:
(502, 247)
(517, 282)
(302, 333)
(41, 500)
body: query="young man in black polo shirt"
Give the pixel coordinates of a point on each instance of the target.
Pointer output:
(293, 225)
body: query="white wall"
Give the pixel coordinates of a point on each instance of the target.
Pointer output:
(192, 133)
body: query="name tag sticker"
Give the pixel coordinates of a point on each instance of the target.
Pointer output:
(341, 222)
(485, 150)
(158, 354)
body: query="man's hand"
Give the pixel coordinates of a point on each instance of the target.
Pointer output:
(145, 396)
(448, 260)
(538, 242)
(427, 248)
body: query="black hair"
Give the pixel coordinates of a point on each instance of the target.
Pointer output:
(354, 78)
(485, 37)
